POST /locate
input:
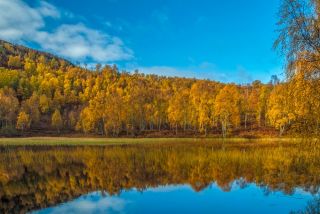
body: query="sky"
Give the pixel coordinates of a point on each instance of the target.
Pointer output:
(223, 40)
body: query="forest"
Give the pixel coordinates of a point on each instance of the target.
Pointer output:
(42, 93)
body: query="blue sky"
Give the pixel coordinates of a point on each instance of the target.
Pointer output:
(229, 41)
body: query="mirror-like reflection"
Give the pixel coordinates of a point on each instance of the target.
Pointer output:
(33, 178)
(183, 199)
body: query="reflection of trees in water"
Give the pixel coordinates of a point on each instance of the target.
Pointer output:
(313, 207)
(39, 177)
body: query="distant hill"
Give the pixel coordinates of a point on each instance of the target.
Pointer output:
(8, 49)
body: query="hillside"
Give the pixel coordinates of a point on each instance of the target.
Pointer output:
(8, 50)
(41, 94)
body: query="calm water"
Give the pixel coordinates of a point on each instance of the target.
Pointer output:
(168, 178)
(183, 199)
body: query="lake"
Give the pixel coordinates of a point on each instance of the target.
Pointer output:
(177, 177)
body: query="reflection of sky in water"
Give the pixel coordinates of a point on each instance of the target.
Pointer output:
(91, 203)
(183, 199)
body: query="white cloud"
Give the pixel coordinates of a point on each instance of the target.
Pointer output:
(80, 42)
(17, 19)
(21, 22)
(91, 203)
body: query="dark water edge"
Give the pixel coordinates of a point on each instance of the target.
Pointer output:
(206, 177)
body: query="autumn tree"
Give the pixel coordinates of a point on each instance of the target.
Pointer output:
(14, 62)
(202, 97)
(56, 120)
(23, 121)
(227, 108)
(31, 107)
(263, 99)
(72, 119)
(178, 109)
(298, 39)
(280, 113)
(9, 78)
(29, 66)
(305, 100)
(88, 120)
(9, 105)
(299, 32)
(44, 103)
(250, 102)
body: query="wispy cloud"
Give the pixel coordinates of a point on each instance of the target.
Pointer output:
(48, 10)
(21, 22)
(207, 70)
(190, 72)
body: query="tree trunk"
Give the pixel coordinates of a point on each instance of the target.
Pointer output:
(176, 129)
(245, 121)
(281, 130)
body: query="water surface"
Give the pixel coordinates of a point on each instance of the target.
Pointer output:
(168, 178)
(183, 199)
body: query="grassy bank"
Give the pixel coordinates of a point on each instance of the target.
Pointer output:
(125, 141)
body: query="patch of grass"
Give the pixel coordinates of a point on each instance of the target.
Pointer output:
(48, 141)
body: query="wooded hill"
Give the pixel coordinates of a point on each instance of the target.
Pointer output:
(9, 50)
(43, 94)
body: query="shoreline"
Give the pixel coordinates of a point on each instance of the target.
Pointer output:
(95, 141)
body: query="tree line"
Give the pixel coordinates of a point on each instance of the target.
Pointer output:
(38, 94)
